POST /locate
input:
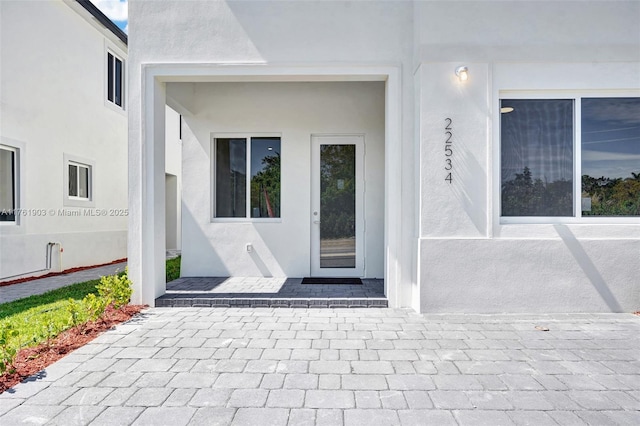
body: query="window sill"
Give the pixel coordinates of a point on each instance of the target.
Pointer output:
(245, 220)
(78, 202)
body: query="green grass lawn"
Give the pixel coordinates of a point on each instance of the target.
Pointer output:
(49, 299)
(42, 317)
(37, 319)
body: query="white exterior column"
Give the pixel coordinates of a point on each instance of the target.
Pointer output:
(147, 195)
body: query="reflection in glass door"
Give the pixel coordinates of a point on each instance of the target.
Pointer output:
(337, 233)
(338, 206)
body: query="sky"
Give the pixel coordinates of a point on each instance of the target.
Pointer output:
(116, 10)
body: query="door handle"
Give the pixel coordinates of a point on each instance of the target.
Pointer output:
(316, 221)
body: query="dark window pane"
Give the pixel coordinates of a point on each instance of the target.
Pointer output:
(118, 88)
(265, 177)
(110, 77)
(610, 156)
(536, 151)
(83, 184)
(7, 185)
(73, 180)
(337, 206)
(231, 177)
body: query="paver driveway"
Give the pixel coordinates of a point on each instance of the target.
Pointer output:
(270, 366)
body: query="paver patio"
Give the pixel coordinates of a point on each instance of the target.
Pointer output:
(276, 366)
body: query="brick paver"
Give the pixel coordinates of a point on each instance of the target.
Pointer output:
(250, 366)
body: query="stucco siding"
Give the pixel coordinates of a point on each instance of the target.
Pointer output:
(295, 111)
(53, 106)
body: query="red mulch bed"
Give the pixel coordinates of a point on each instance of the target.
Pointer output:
(32, 360)
(65, 272)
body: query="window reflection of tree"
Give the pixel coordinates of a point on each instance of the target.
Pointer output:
(338, 191)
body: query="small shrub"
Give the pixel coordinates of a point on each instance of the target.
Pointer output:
(115, 289)
(77, 318)
(7, 350)
(49, 326)
(94, 306)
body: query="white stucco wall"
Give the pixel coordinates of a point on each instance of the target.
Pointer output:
(456, 255)
(318, 36)
(295, 111)
(469, 260)
(173, 170)
(52, 104)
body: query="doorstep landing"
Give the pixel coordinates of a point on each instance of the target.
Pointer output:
(271, 292)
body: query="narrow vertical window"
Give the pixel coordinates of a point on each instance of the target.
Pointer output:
(231, 177)
(265, 177)
(73, 180)
(115, 80)
(8, 185)
(83, 182)
(117, 96)
(110, 77)
(536, 144)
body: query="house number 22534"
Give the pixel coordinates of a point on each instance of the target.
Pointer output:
(448, 150)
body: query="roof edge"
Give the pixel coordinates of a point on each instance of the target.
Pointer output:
(102, 18)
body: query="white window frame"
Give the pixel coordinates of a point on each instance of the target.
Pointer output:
(76, 201)
(116, 53)
(577, 217)
(247, 137)
(17, 180)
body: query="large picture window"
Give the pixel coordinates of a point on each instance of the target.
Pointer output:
(540, 141)
(8, 183)
(237, 197)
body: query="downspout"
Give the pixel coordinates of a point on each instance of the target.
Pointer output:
(60, 250)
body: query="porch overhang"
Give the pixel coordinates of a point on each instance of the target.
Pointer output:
(146, 240)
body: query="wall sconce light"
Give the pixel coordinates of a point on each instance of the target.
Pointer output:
(462, 73)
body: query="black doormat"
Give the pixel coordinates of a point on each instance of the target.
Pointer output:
(316, 280)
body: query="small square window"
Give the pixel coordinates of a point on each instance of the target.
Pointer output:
(79, 180)
(235, 197)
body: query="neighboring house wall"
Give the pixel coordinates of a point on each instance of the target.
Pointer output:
(457, 254)
(54, 110)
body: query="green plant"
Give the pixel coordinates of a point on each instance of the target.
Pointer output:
(173, 269)
(40, 318)
(7, 350)
(74, 291)
(94, 306)
(77, 317)
(50, 324)
(115, 289)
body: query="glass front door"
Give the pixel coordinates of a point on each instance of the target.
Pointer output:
(337, 226)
